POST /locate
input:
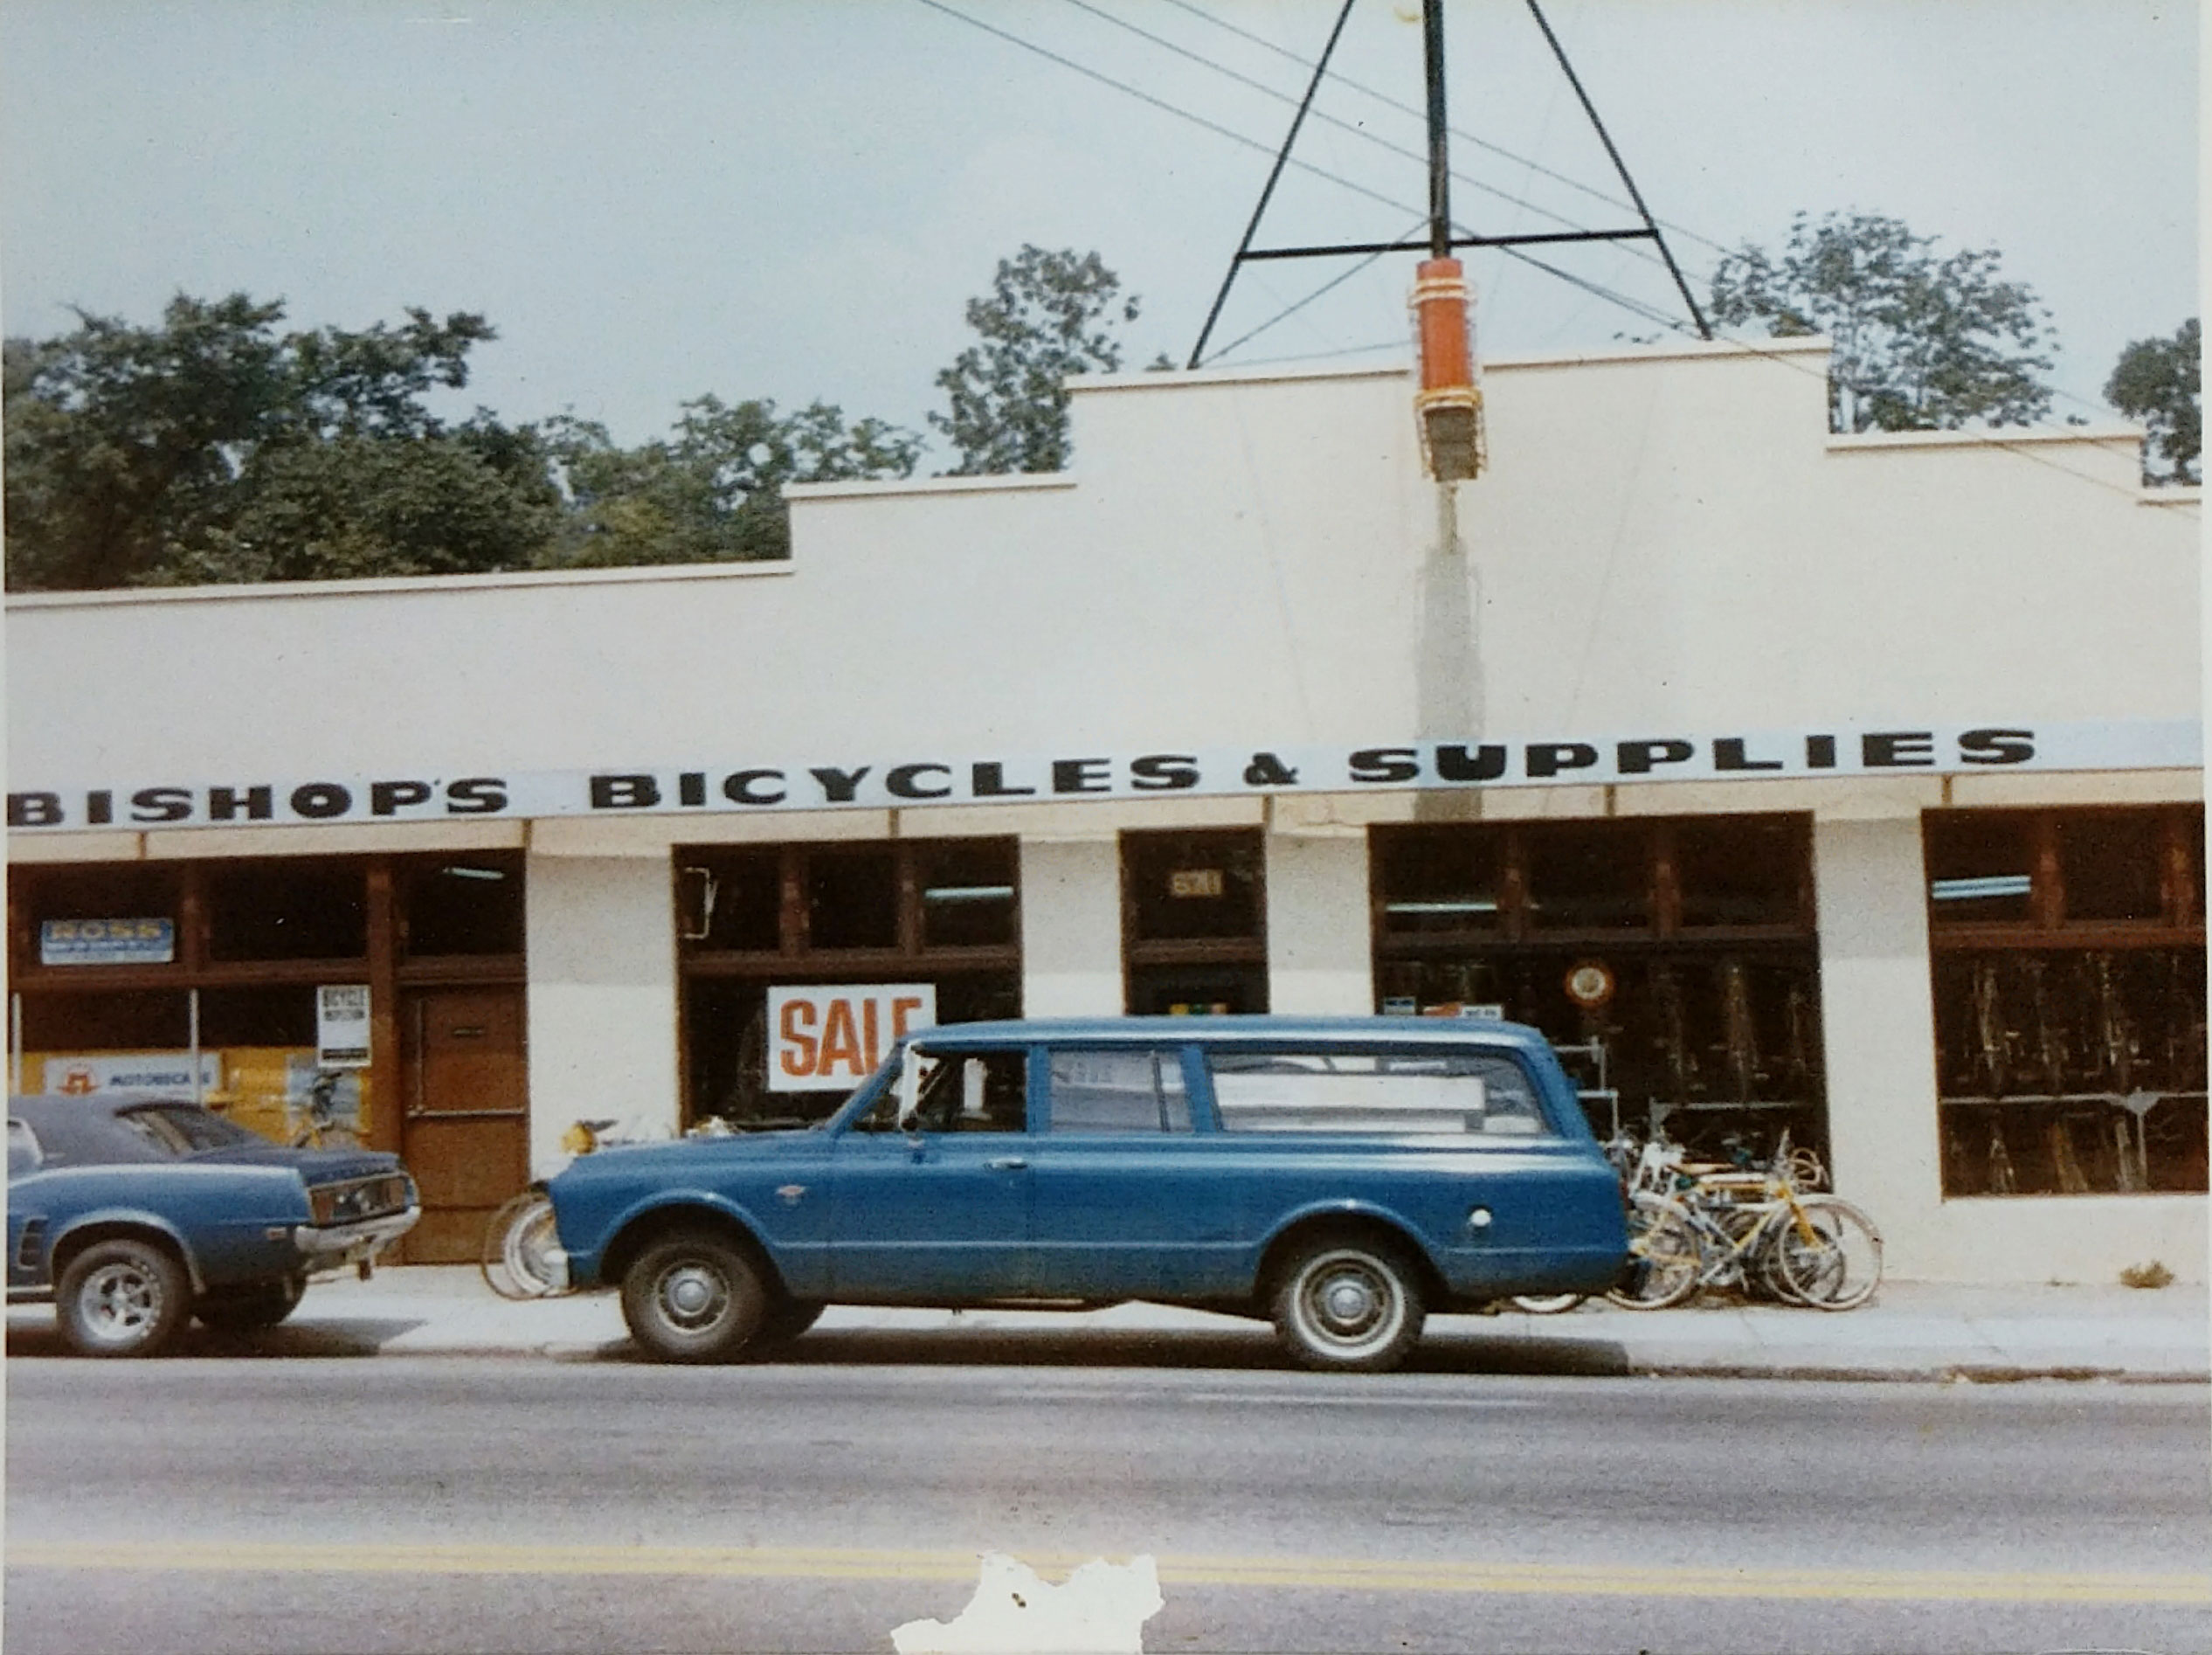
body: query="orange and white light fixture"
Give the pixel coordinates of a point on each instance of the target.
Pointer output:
(1450, 403)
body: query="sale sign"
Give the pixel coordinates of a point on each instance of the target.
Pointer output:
(822, 1036)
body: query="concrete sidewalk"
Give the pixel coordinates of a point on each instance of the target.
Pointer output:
(1910, 1330)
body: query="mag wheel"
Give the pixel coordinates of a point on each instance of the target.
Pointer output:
(1349, 1307)
(122, 1298)
(517, 1241)
(694, 1297)
(1665, 1257)
(1834, 1261)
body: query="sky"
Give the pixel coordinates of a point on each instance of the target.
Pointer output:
(656, 199)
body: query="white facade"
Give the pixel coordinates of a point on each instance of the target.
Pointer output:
(1667, 546)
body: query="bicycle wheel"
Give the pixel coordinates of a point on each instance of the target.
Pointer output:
(1839, 1267)
(514, 1246)
(1546, 1303)
(1665, 1256)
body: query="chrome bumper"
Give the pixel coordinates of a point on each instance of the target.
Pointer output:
(335, 1246)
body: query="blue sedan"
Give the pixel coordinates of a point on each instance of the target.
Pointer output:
(134, 1214)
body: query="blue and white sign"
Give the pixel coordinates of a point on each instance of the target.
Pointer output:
(107, 942)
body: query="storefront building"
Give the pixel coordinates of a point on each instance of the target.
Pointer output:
(1849, 787)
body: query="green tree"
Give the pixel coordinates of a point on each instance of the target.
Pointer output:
(1922, 342)
(1048, 315)
(2159, 382)
(214, 447)
(713, 492)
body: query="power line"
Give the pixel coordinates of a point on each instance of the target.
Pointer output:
(1597, 289)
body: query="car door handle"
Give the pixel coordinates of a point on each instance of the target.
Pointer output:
(1008, 1163)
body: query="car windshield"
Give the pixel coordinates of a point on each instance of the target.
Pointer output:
(179, 1129)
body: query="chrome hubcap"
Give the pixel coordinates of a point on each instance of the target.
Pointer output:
(1348, 1302)
(693, 1296)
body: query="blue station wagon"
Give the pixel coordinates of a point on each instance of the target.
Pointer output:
(1340, 1177)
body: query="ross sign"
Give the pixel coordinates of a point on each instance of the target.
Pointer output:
(823, 1034)
(342, 1026)
(736, 784)
(80, 1075)
(107, 942)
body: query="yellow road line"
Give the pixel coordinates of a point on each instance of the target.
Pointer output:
(1330, 1574)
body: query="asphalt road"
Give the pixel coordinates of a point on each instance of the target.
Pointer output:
(399, 1505)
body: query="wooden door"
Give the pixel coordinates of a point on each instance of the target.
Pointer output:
(466, 1129)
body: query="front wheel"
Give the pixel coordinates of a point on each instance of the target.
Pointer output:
(122, 1298)
(1834, 1262)
(516, 1244)
(1664, 1258)
(694, 1297)
(1349, 1307)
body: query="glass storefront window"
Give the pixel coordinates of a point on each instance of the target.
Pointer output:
(967, 891)
(731, 899)
(1980, 867)
(286, 910)
(853, 898)
(1440, 880)
(2110, 862)
(1740, 872)
(463, 906)
(1183, 886)
(1589, 876)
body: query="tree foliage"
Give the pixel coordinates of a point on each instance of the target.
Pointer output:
(1922, 342)
(214, 447)
(713, 492)
(2159, 382)
(1048, 315)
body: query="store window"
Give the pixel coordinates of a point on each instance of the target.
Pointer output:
(1194, 922)
(1594, 877)
(2068, 963)
(291, 909)
(1674, 961)
(944, 914)
(853, 898)
(462, 906)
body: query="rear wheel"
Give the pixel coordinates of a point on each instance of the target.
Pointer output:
(1546, 1303)
(122, 1298)
(251, 1310)
(1665, 1257)
(1349, 1305)
(694, 1297)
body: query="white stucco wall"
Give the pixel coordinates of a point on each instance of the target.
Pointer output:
(602, 960)
(1666, 540)
(1318, 948)
(1071, 927)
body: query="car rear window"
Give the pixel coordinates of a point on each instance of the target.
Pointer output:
(1445, 1092)
(176, 1129)
(1121, 1090)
